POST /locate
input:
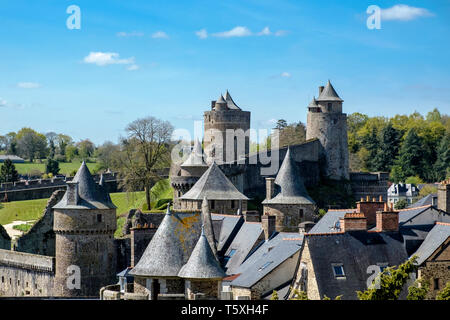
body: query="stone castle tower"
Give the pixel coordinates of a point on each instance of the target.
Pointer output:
(225, 114)
(326, 122)
(84, 224)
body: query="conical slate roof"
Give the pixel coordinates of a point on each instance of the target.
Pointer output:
(90, 194)
(196, 158)
(170, 247)
(290, 183)
(213, 185)
(329, 94)
(202, 263)
(230, 102)
(313, 103)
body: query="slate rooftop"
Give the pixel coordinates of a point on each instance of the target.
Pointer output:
(90, 194)
(329, 94)
(213, 185)
(291, 189)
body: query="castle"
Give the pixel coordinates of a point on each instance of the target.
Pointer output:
(71, 251)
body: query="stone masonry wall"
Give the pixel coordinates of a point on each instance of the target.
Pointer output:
(24, 274)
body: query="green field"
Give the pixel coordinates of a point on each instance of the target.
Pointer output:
(65, 167)
(34, 209)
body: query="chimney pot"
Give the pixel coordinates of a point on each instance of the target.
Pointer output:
(380, 198)
(270, 187)
(367, 198)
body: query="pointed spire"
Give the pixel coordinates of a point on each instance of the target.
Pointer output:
(196, 158)
(221, 104)
(329, 94)
(289, 180)
(230, 103)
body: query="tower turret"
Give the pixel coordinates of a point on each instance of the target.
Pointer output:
(327, 123)
(84, 224)
(220, 145)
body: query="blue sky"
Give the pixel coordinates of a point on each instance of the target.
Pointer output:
(132, 59)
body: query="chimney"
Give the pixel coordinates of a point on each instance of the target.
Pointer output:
(268, 224)
(270, 187)
(72, 193)
(443, 196)
(370, 208)
(321, 89)
(387, 219)
(353, 222)
(213, 104)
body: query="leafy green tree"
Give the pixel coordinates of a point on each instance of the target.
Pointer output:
(71, 152)
(63, 141)
(434, 115)
(52, 167)
(410, 160)
(31, 144)
(414, 180)
(281, 124)
(444, 294)
(389, 284)
(419, 290)
(426, 190)
(388, 148)
(371, 144)
(86, 148)
(401, 204)
(274, 295)
(8, 172)
(443, 158)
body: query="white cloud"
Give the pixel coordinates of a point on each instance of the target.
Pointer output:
(235, 32)
(28, 85)
(404, 12)
(160, 35)
(3, 102)
(130, 34)
(265, 32)
(133, 67)
(106, 58)
(202, 34)
(280, 33)
(285, 74)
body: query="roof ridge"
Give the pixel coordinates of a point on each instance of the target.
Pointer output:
(415, 208)
(324, 234)
(443, 223)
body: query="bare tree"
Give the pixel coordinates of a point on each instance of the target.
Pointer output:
(145, 150)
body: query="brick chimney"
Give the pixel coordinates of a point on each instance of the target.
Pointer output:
(268, 224)
(387, 220)
(353, 222)
(270, 188)
(443, 196)
(369, 208)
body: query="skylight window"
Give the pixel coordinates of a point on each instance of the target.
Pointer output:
(338, 270)
(265, 265)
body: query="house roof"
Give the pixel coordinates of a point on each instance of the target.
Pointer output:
(290, 188)
(329, 94)
(13, 158)
(330, 221)
(402, 189)
(242, 244)
(427, 200)
(213, 185)
(171, 246)
(435, 238)
(196, 157)
(90, 194)
(267, 257)
(355, 251)
(202, 263)
(228, 226)
(313, 103)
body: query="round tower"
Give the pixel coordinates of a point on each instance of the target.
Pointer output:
(326, 122)
(224, 115)
(84, 224)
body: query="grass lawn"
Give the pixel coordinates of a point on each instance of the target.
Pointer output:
(65, 167)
